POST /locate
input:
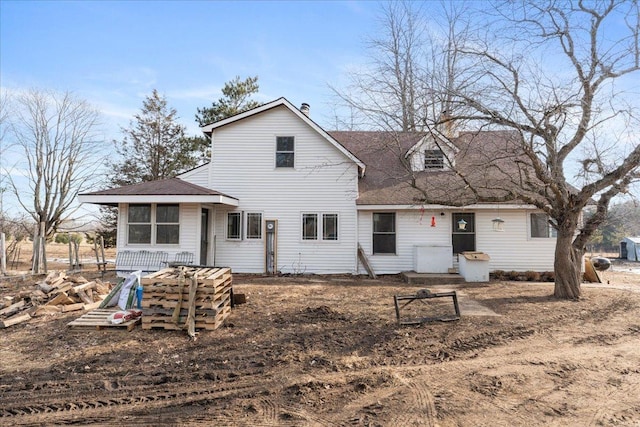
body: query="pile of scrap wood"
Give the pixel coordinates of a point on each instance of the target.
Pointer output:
(57, 293)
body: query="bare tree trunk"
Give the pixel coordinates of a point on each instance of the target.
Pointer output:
(567, 268)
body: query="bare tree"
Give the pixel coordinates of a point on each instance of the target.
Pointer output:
(549, 72)
(412, 74)
(558, 76)
(4, 122)
(58, 136)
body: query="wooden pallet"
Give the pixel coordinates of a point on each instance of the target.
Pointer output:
(168, 290)
(208, 323)
(98, 319)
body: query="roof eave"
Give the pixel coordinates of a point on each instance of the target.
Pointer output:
(114, 199)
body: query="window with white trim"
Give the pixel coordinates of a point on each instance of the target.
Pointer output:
(541, 226)
(167, 224)
(285, 154)
(153, 224)
(309, 226)
(139, 224)
(384, 233)
(254, 225)
(329, 226)
(316, 226)
(234, 225)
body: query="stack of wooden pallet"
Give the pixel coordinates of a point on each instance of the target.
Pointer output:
(186, 298)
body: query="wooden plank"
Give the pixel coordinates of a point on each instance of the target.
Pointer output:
(84, 297)
(365, 262)
(60, 299)
(72, 307)
(48, 309)
(64, 287)
(84, 287)
(98, 319)
(15, 320)
(91, 306)
(12, 308)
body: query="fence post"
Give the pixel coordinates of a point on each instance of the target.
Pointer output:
(3, 254)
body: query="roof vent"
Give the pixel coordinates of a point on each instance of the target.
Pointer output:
(304, 109)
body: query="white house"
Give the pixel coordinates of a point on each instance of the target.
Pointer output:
(282, 195)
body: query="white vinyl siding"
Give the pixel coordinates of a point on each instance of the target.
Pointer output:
(198, 176)
(511, 249)
(322, 181)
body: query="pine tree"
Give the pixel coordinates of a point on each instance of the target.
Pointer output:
(154, 145)
(236, 99)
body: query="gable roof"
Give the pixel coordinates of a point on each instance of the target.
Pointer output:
(486, 157)
(160, 191)
(208, 129)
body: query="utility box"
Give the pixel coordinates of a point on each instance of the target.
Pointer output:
(474, 266)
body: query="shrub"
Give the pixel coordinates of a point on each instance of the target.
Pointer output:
(532, 276)
(499, 275)
(513, 275)
(64, 238)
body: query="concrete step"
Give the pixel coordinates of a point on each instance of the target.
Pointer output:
(413, 278)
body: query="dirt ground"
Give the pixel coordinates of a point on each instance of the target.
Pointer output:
(327, 351)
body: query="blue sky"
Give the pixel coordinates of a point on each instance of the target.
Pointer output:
(113, 53)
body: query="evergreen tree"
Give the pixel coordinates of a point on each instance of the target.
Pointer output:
(154, 145)
(237, 98)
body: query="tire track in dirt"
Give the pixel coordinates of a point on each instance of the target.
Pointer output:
(421, 411)
(69, 406)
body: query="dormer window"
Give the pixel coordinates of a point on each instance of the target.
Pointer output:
(284, 151)
(433, 159)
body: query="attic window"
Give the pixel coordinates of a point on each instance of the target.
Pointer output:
(433, 159)
(284, 151)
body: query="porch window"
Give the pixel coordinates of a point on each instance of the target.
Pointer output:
(168, 224)
(433, 159)
(309, 226)
(234, 219)
(285, 151)
(384, 233)
(254, 226)
(541, 226)
(153, 224)
(139, 224)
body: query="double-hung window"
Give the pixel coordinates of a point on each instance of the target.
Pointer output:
(384, 233)
(317, 226)
(167, 224)
(150, 223)
(541, 226)
(285, 151)
(139, 224)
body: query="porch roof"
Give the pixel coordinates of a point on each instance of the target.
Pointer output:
(172, 190)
